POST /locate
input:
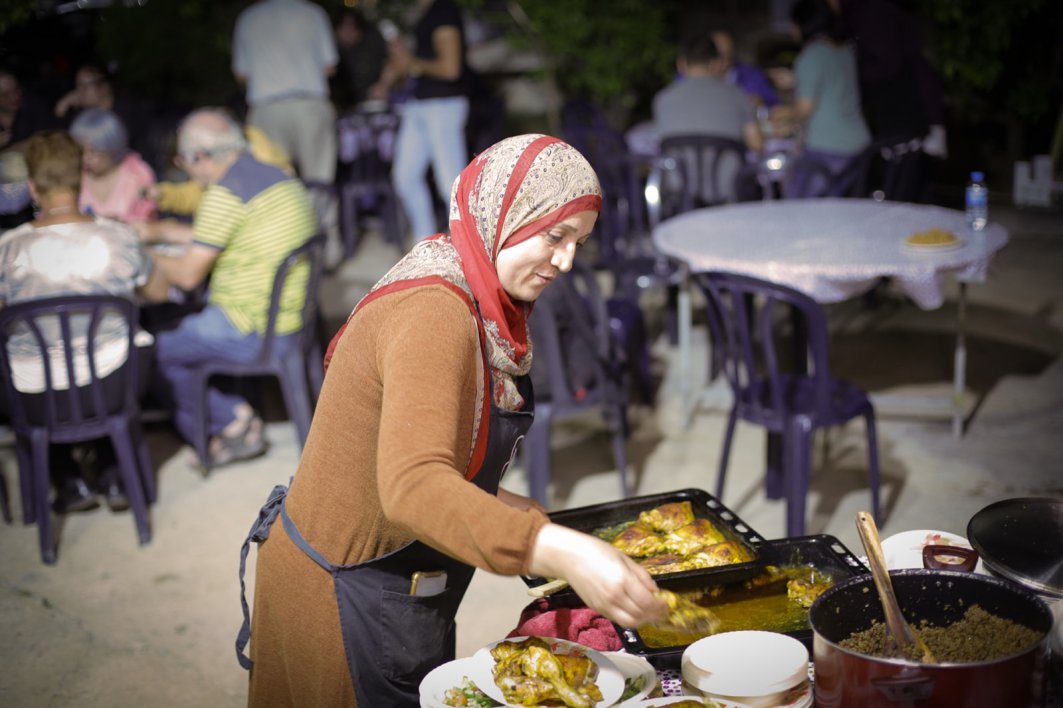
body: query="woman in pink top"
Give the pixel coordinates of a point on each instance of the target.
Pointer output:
(113, 178)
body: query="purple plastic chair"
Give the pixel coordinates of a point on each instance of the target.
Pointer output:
(743, 313)
(367, 148)
(571, 337)
(706, 168)
(300, 373)
(102, 407)
(622, 235)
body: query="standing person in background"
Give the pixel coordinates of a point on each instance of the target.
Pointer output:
(114, 178)
(827, 96)
(285, 52)
(899, 90)
(363, 54)
(432, 131)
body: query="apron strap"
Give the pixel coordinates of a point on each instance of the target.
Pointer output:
(303, 544)
(259, 532)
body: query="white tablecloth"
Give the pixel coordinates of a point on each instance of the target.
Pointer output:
(831, 249)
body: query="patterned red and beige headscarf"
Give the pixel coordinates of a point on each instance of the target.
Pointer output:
(515, 189)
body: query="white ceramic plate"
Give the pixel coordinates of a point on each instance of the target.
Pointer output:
(905, 549)
(440, 679)
(610, 680)
(673, 700)
(633, 666)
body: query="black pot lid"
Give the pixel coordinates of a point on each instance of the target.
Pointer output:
(1022, 540)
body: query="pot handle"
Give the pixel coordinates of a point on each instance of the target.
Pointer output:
(905, 687)
(960, 558)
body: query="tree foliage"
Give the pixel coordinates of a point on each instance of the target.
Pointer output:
(607, 51)
(177, 52)
(998, 58)
(14, 13)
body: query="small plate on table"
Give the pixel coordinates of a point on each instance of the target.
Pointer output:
(443, 678)
(679, 701)
(905, 549)
(932, 241)
(610, 679)
(636, 671)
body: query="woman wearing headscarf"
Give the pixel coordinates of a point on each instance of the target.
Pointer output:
(423, 406)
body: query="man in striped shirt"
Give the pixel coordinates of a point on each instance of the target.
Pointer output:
(250, 217)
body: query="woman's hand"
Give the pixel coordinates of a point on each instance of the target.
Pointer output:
(72, 99)
(606, 579)
(518, 501)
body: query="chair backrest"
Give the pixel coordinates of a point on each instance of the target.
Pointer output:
(310, 253)
(367, 146)
(573, 347)
(698, 171)
(745, 318)
(62, 336)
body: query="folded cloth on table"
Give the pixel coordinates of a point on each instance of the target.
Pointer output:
(581, 625)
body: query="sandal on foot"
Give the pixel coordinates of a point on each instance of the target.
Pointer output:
(246, 445)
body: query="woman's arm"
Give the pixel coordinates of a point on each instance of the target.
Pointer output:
(518, 501)
(446, 41)
(606, 579)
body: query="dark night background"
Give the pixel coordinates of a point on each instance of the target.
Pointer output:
(1000, 62)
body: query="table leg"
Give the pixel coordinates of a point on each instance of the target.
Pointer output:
(959, 363)
(690, 391)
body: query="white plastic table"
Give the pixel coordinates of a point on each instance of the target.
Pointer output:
(832, 250)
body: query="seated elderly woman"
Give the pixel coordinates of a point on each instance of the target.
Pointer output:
(114, 179)
(64, 252)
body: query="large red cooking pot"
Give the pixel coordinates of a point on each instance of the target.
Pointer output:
(847, 678)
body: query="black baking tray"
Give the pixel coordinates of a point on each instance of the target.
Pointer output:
(823, 552)
(705, 505)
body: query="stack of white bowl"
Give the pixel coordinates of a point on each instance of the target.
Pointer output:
(749, 668)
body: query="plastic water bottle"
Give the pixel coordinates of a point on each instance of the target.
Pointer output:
(977, 202)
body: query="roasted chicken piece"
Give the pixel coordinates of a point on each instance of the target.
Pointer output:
(529, 674)
(577, 670)
(668, 517)
(525, 690)
(724, 553)
(804, 591)
(686, 615)
(687, 539)
(638, 540)
(664, 563)
(705, 557)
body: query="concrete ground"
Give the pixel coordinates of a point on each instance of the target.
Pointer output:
(113, 624)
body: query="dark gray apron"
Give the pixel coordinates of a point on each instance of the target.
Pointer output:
(393, 639)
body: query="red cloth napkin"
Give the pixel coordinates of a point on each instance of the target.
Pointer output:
(581, 625)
